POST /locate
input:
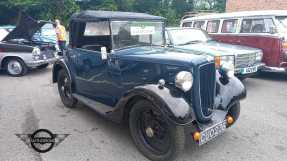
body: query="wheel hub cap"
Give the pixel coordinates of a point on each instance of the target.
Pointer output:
(149, 132)
(14, 67)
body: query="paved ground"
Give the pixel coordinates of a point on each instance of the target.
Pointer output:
(32, 102)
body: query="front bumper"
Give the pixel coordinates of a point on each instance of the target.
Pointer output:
(36, 63)
(281, 69)
(242, 70)
(217, 117)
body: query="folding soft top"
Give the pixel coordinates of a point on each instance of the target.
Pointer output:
(91, 15)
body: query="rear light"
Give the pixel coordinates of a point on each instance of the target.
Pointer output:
(1, 50)
(284, 45)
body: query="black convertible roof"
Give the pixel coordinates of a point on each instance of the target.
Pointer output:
(91, 15)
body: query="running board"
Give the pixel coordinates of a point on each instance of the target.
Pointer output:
(97, 106)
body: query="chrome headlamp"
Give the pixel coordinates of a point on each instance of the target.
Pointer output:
(184, 80)
(220, 60)
(259, 56)
(36, 53)
(228, 69)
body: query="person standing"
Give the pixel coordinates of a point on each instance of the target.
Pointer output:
(61, 35)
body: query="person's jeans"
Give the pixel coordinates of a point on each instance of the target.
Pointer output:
(62, 46)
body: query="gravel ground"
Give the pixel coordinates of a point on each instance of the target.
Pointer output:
(32, 102)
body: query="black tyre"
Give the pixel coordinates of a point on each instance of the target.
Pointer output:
(15, 67)
(234, 111)
(43, 66)
(64, 88)
(155, 137)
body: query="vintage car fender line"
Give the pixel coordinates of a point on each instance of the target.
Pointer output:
(231, 92)
(175, 108)
(63, 65)
(23, 56)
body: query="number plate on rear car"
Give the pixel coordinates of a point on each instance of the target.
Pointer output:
(249, 70)
(212, 132)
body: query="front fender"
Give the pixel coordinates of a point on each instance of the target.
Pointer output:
(58, 65)
(229, 93)
(169, 101)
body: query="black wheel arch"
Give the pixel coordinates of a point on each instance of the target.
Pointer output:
(177, 110)
(59, 65)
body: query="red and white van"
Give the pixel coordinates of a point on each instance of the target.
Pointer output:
(266, 30)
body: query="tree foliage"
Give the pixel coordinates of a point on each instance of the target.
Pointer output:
(173, 10)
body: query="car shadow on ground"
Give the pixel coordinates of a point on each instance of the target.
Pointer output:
(32, 72)
(251, 83)
(272, 76)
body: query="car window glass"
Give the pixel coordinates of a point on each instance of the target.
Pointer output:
(256, 25)
(213, 26)
(198, 24)
(136, 33)
(94, 35)
(187, 24)
(187, 36)
(229, 26)
(97, 29)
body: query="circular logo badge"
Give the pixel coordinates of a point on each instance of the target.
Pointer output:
(42, 140)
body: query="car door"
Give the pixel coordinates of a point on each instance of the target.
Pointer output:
(96, 78)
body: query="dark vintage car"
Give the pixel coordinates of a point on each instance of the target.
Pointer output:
(118, 65)
(246, 60)
(21, 49)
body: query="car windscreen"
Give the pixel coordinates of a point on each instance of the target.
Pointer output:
(136, 33)
(46, 34)
(283, 21)
(187, 36)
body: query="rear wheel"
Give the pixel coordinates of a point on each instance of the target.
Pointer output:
(153, 134)
(64, 88)
(16, 67)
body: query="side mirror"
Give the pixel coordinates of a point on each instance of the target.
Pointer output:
(273, 30)
(104, 53)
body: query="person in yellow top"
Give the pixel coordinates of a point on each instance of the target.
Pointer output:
(61, 35)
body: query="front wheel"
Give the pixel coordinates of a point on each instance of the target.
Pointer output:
(16, 67)
(155, 137)
(64, 88)
(234, 111)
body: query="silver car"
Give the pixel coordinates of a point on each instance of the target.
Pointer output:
(19, 52)
(245, 60)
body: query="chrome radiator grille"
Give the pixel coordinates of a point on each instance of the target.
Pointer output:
(207, 87)
(244, 60)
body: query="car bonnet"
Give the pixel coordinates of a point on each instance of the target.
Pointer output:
(25, 29)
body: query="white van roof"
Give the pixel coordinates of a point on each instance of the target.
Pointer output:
(239, 14)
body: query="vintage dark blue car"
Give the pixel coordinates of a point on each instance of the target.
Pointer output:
(117, 64)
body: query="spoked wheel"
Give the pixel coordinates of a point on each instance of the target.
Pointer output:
(153, 134)
(64, 88)
(16, 67)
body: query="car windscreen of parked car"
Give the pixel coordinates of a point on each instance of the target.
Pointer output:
(136, 33)
(46, 34)
(181, 38)
(282, 26)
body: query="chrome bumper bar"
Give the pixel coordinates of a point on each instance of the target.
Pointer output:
(36, 63)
